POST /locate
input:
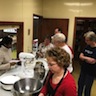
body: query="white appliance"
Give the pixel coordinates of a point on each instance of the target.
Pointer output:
(26, 58)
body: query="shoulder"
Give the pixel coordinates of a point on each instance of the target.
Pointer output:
(67, 49)
(69, 85)
(51, 45)
(41, 45)
(69, 80)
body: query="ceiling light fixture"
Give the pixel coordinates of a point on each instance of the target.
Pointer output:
(78, 4)
(75, 11)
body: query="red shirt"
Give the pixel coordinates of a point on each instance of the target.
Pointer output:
(66, 88)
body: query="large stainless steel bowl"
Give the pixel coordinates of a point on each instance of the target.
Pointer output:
(27, 87)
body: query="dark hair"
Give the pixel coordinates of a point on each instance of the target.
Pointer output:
(59, 29)
(6, 40)
(48, 37)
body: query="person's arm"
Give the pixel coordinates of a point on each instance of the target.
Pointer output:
(71, 91)
(40, 46)
(70, 88)
(44, 90)
(5, 66)
(82, 57)
(87, 59)
(41, 94)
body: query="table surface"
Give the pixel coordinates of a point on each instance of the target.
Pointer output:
(22, 73)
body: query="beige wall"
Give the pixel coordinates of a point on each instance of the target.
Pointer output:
(21, 11)
(69, 9)
(30, 7)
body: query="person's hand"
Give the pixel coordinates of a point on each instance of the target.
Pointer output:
(41, 94)
(39, 54)
(90, 60)
(13, 63)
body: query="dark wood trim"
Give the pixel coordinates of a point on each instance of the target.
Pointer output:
(37, 27)
(74, 36)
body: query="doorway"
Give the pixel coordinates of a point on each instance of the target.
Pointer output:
(82, 25)
(49, 25)
(12, 32)
(46, 26)
(19, 45)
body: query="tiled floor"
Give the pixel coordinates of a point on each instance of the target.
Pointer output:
(76, 75)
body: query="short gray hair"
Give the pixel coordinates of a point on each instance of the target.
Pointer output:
(59, 37)
(88, 34)
(91, 36)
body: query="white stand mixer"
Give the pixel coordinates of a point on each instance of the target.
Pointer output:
(25, 58)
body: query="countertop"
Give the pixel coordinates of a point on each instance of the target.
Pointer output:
(22, 73)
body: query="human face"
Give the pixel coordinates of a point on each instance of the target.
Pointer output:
(53, 66)
(88, 42)
(46, 42)
(56, 31)
(56, 43)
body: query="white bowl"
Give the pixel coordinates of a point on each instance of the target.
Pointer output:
(8, 81)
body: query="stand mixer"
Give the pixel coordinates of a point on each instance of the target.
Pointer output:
(37, 69)
(25, 58)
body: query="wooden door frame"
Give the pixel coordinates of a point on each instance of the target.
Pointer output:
(39, 27)
(77, 18)
(19, 33)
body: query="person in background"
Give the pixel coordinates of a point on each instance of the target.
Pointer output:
(44, 46)
(88, 65)
(59, 40)
(58, 30)
(59, 81)
(5, 53)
